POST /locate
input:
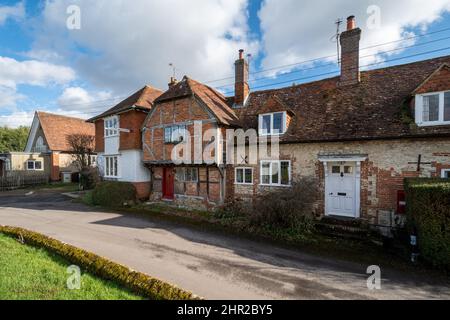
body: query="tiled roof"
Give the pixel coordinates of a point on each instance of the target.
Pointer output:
(142, 99)
(214, 100)
(57, 128)
(377, 108)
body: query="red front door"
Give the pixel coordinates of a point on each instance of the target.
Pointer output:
(168, 180)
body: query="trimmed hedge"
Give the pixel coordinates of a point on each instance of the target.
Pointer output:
(428, 212)
(113, 193)
(138, 282)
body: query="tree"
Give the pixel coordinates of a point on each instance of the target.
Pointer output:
(13, 139)
(82, 146)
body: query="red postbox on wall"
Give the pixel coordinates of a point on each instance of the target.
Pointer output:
(401, 202)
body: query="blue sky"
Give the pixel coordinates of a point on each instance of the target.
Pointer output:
(118, 49)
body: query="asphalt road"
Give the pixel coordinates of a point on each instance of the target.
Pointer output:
(211, 265)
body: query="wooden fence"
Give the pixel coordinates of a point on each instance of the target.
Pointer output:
(21, 179)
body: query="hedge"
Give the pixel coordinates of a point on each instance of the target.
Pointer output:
(136, 281)
(113, 193)
(428, 212)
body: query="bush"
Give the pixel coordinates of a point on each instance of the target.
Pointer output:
(113, 194)
(287, 208)
(104, 268)
(428, 213)
(89, 178)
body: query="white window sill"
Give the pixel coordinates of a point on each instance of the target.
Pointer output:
(114, 136)
(433, 124)
(243, 184)
(271, 134)
(276, 185)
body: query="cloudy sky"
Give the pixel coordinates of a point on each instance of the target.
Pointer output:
(50, 60)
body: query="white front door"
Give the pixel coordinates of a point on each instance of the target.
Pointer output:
(340, 189)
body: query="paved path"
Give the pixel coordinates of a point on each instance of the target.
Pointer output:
(210, 265)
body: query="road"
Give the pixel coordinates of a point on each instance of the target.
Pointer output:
(214, 266)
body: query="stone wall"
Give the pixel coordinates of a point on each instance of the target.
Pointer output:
(382, 174)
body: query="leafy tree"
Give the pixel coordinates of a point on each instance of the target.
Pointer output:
(13, 139)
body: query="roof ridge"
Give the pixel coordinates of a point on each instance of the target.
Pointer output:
(362, 72)
(59, 115)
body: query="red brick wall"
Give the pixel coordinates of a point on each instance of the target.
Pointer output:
(142, 190)
(440, 81)
(99, 136)
(54, 167)
(132, 120)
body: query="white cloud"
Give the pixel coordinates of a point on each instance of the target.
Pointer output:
(79, 99)
(128, 45)
(32, 72)
(17, 119)
(12, 12)
(296, 31)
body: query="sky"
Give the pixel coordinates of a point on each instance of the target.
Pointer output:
(81, 57)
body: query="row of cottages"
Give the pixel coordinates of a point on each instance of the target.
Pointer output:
(47, 149)
(359, 134)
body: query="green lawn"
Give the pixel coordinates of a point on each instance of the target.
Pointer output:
(28, 273)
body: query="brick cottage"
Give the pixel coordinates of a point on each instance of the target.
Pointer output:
(360, 134)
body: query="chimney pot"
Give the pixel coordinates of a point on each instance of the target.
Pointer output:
(351, 23)
(241, 54)
(173, 81)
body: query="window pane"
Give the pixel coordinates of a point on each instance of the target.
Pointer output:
(348, 169)
(266, 124)
(265, 173)
(431, 108)
(239, 175)
(194, 174)
(167, 134)
(30, 165)
(248, 176)
(180, 174)
(115, 167)
(447, 106)
(38, 165)
(275, 173)
(447, 174)
(284, 172)
(278, 123)
(336, 169)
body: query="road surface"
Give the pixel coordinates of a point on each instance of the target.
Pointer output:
(214, 266)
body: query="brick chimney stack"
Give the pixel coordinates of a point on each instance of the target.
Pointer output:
(349, 39)
(241, 87)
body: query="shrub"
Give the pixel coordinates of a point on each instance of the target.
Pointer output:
(428, 213)
(104, 268)
(288, 208)
(113, 194)
(89, 178)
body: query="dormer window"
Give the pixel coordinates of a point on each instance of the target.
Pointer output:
(272, 123)
(112, 126)
(433, 109)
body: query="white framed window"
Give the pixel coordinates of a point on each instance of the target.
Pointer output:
(40, 146)
(111, 167)
(433, 108)
(187, 174)
(174, 134)
(244, 175)
(272, 123)
(275, 173)
(445, 173)
(34, 165)
(112, 126)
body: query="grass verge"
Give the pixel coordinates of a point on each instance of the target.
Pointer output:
(29, 273)
(138, 282)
